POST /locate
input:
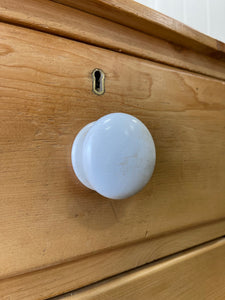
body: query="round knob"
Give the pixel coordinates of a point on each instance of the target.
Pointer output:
(114, 156)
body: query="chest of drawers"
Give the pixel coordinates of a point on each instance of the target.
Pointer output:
(56, 235)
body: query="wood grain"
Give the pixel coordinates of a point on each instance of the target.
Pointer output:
(147, 20)
(195, 274)
(46, 216)
(69, 276)
(74, 24)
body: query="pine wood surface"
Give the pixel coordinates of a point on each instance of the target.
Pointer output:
(150, 21)
(64, 277)
(195, 274)
(46, 217)
(57, 19)
(46, 99)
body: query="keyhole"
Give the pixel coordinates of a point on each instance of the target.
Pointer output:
(98, 79)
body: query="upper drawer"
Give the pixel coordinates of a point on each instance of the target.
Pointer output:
(46, 215)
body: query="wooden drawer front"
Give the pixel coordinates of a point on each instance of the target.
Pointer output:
(195, 274)
(46, 216)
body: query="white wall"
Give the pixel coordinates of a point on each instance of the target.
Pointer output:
(207, 16)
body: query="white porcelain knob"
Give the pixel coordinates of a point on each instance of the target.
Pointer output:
(115, 156)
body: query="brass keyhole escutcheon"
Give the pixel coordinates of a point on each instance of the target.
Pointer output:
(98, 82)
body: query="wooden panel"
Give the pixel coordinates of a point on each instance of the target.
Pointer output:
(46, 216)
(195, 274)
(145, 19)
(64, 21)
(66, 277)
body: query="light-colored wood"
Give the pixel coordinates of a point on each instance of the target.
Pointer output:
(39, 120)
(195, 274)
(46, 216)
(66, 277)
(74, 24)
(145, 19)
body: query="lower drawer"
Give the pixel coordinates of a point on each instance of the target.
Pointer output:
(195, 274)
